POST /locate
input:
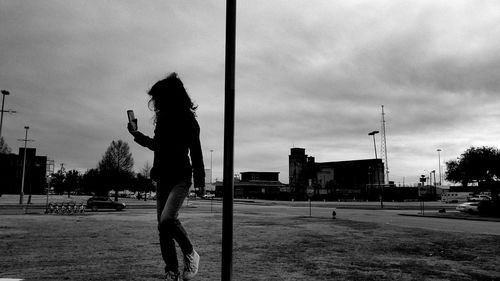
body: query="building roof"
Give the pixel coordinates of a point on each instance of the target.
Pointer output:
(254, 172)
(351, 161)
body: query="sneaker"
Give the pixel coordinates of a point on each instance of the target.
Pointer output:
(172, 276)
(191, 263)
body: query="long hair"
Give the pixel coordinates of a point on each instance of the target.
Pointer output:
(168, 96)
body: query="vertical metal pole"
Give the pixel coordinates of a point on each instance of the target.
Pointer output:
(211, 167)
(374, 146)
(24, 166)
(227, 206)
(47, 202)
(380, 188)
(439, 164)
(1, 113)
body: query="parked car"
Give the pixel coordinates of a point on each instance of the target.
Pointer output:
(468, 207)
(103, 202)
(478, 198)
(208, 196)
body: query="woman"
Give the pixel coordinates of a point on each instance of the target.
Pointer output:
(176, 134)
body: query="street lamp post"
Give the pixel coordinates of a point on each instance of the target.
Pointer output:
(4, 93)
(373, 133)
(211, 170)
(434, 173)
(439, 164)
(376, 170)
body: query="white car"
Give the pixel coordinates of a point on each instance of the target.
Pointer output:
(479, 198)
(209, 196)
(468, 207)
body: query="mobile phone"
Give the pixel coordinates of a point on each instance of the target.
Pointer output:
(131, 119)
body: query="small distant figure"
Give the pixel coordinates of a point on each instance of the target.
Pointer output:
(334, 214)
(176, 140)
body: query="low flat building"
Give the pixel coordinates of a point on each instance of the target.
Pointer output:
(255, 185)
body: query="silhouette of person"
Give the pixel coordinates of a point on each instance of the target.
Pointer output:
(176, 135)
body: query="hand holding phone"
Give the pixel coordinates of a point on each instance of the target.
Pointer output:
(132, 121)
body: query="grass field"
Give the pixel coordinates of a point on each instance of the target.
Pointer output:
(268, 245)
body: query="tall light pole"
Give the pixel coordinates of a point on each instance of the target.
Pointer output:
(373, 133)
(434, 173)
(4, 93)
(211, 170)
(24, 164)
(376, 170)
(439, 164)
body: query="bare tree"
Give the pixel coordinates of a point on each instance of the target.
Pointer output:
(116, 166)
(146, 170)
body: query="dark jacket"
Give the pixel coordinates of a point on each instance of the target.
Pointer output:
(176, 136)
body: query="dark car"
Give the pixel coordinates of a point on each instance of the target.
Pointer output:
(102, 202)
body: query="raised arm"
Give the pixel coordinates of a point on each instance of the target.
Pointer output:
(140, 138)
(145, 141)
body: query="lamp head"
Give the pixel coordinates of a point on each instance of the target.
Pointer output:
(6, 93)
(373, 133)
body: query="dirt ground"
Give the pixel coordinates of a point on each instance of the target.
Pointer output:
(267, 246)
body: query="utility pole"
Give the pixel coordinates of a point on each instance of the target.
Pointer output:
(26, 140)
(439, 164)
(4, 93)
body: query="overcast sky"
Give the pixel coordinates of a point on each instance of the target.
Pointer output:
(310, 74)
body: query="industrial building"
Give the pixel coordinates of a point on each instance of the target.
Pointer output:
(255, 185)
(11, 171)
(361, 179)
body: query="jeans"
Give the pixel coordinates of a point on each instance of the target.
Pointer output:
(169, 200)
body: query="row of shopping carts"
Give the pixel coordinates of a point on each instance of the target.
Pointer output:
(66, 208)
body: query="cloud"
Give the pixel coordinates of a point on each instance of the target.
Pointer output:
(307, 74)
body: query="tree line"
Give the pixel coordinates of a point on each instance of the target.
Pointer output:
(477, 165)
(113, 172)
